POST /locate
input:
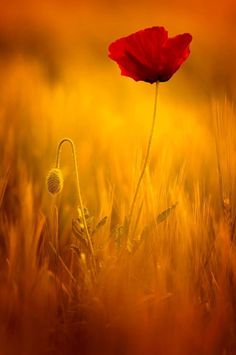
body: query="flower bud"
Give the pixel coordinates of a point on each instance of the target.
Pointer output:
(54, 181)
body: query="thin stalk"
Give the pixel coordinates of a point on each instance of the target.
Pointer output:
(145, 159)
(58, 156)
(220, 176)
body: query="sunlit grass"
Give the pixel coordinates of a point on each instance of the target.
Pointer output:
(173, 290)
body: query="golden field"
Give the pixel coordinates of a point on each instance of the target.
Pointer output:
(170, 287)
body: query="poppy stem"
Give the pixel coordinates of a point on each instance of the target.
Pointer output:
(145, 159)
(81, 206)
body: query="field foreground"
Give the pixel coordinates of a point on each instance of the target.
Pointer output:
(168, 285)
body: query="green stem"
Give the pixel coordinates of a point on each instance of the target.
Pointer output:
(145, 159)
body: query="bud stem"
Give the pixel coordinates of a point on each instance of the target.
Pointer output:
(58, 156)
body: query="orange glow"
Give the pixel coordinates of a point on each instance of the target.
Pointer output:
(172, 292)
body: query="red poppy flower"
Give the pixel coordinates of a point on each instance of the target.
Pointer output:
(149, 55)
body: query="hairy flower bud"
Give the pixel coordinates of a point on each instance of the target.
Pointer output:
(54, 181)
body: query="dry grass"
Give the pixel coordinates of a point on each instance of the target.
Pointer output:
(171, 292)
(170, 288)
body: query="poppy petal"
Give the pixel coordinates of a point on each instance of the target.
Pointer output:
(149, 55)
(175, 52)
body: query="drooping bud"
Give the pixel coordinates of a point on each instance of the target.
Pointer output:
(55, 181)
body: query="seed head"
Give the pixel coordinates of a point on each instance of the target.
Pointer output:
(54, 181)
